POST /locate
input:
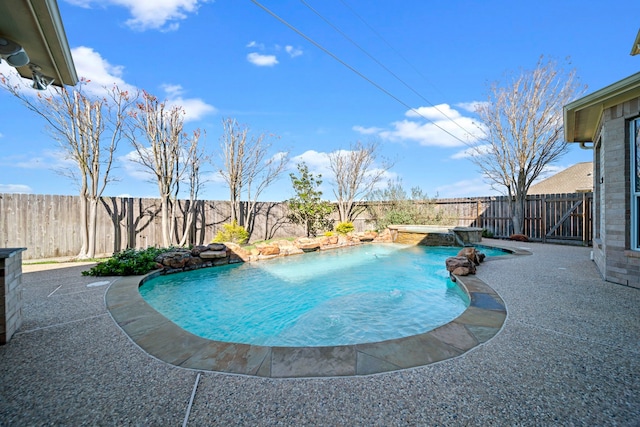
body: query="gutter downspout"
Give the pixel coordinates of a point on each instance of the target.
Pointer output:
(587, 147)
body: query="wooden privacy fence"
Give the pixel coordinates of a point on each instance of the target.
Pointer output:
(558, 218)
(47, 225)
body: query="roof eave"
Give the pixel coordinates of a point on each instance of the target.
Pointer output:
(37, 26)
(582, 116)
(635, 49)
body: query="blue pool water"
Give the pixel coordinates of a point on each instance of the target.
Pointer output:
(367, 293)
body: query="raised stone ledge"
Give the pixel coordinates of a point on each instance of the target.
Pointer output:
(215, 254)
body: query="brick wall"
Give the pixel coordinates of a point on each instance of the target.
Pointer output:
(611, 251)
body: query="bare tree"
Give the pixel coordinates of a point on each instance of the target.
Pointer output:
(524, 133)
(355, 175)
(171, 157)
(88, 129)
(247, 169)
(193, 162)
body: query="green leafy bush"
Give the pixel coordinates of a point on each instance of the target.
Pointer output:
(345, 227)
(328, 233)
(232, 232)
(487, 233)
(393, 205)
(130, 262)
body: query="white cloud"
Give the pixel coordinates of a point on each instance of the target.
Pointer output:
(50, 159)
(292, 51)
(195, 108)
(435, 113)
(262, 60)
(472, 151)
(316, 161)
(98, 71)
(15, 188)
(161, 15)
(367, 131)
(437, 126)
(133, 168)
(255, 44)
(472, 106)
(467, 188)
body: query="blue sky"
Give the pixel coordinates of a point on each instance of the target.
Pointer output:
(232, 59)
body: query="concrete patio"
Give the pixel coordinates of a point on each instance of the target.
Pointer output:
(568, 354)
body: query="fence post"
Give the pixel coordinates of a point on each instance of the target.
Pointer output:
(543, 225)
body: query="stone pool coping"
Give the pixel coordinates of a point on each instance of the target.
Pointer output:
(166, 341)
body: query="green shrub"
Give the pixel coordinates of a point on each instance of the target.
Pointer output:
(345, 227)
(232, 232)
(487, 233)
(328, 233)
(130, 262)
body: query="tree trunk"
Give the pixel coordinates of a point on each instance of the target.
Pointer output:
(517, 213)
(166, 242)
(92, 227)
(83, 226)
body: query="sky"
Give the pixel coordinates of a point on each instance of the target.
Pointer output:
(325, 75)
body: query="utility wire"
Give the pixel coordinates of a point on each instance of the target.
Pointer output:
(331, 54)
(374, 31)
(380, 63)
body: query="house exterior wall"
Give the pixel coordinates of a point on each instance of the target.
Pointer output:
(611, 243)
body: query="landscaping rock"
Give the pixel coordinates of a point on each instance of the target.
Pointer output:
(461, 262)
(519, 237)
(213, 254)
(217, 247)
(237, 254)
(268, 250)
(174, 259)
(472, 254)
(461, 271)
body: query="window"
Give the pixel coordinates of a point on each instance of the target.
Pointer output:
(635, 184)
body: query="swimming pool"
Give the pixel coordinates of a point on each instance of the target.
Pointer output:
(368, 293)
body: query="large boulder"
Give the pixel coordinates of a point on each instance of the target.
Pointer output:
(237, 253)
(307, 245)
(367, 236)
(213, 254)
(472, 254)
(268, 250)
(460, 265)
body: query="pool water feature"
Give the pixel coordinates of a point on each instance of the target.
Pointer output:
(368, 293)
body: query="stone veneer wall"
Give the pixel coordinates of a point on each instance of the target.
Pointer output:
(10, 292)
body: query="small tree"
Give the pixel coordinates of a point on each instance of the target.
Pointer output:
(307, 207)
(355, 175)
(524, 131)
(88, 129)
(247, 169)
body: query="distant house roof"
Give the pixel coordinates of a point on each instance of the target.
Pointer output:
(575, 179)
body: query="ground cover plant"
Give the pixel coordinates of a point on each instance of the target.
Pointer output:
(130, 262)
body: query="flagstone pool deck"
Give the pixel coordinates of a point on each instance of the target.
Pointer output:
(568, 353)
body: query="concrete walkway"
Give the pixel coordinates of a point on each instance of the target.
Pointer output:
(569, 354)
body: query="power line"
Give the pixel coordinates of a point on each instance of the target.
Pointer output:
(374, 31)
(380, 63)
(358, 73)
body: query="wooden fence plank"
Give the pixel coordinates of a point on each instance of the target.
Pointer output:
(47, 225)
